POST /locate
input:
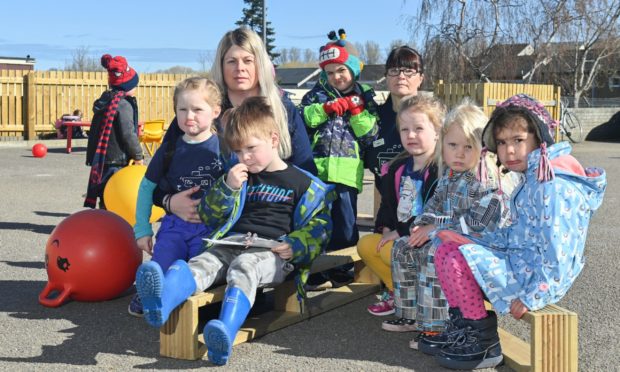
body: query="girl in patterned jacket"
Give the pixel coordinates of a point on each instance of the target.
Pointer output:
(460, 202)
(530, 263)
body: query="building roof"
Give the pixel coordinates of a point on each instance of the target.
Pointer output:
(17, 60)
(306, 77)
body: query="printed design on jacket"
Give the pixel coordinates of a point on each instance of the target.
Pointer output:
(542, 252)
(336, 139)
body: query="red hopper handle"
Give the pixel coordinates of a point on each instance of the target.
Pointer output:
(55, 302)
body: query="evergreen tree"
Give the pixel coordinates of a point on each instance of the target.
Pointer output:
(253, 19)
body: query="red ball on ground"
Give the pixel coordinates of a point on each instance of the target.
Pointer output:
(39, 150)
(90, 256)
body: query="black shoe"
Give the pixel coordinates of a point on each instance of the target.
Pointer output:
(433, 344)
(340, 278)
(477, 347)
(317, 282)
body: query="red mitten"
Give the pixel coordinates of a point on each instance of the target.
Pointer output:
(355, 104)
(338, 106)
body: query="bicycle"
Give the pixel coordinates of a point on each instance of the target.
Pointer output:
(570, 124)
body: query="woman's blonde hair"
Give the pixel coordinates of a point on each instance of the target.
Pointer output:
(428, 105)
(249, 41)
(471, 119)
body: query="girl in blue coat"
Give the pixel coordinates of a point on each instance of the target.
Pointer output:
(529, 264)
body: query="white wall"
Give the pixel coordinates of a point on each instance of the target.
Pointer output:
(592, 117)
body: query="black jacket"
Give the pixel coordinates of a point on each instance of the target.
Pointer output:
(386, 217)
(123, 145)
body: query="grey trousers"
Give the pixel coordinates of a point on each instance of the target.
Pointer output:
(245, 269)
(417, 292)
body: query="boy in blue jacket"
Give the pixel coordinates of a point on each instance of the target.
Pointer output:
(263, 196)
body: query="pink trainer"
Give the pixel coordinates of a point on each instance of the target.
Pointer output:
(383, 307)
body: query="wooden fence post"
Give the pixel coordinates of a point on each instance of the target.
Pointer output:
(29, 116)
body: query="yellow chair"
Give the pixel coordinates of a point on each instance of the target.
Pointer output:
(152, 135)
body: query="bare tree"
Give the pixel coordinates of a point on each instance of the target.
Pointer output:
(360, 50)
(283, 57)
(539, 24)
(82, 61)
(309, 56)
(205, 60)
(373, 53)
(294, 54)
(472, 28)
(596, 39)
(177, 70)
(394, 44)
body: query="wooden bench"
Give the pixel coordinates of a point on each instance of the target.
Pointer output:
(553, 342)
(180, 337)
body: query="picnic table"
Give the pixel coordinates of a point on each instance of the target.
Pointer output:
(70, 125)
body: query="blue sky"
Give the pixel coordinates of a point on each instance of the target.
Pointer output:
(158, 34)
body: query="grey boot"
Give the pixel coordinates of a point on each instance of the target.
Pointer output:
(477, 347)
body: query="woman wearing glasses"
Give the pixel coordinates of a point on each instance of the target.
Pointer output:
(404, 74)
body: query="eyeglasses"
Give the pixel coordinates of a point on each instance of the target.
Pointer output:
(408, 72)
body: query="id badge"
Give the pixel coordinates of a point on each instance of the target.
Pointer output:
(379, 142)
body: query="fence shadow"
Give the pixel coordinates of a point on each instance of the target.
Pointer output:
(26, 226)
(27, 265)
(51, 214)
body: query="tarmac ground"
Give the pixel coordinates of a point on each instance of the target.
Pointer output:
(38, 193)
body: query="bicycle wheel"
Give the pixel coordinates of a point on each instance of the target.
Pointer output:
(572, 127)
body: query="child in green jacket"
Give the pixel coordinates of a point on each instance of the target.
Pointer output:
(341, 116)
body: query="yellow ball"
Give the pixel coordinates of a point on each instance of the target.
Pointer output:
(121, 194)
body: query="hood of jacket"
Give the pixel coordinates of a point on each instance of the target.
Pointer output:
(102, 102)
(591, 182)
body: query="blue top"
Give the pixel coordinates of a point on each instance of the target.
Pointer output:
(198, 164)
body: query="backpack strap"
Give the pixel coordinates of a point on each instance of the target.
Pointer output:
(168, 155)
(397, 175)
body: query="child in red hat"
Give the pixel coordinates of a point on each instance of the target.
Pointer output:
(113, 139)
(341, 115)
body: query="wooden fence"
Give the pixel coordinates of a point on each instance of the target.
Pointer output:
(32, 101)
(488, 95)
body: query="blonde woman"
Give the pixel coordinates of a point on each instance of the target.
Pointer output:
(242, 69)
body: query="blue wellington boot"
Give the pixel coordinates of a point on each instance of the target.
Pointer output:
(220, 333)
(160, 294)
